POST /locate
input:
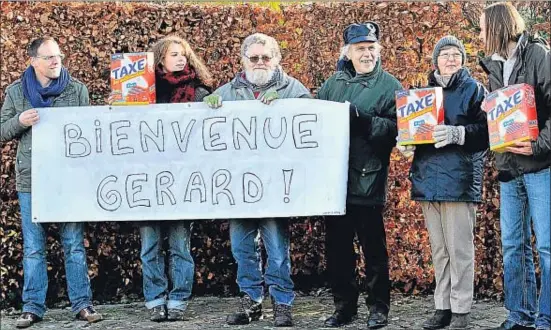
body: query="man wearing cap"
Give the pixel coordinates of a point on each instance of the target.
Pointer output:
(370, 91)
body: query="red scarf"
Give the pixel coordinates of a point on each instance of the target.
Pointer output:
(180, 85)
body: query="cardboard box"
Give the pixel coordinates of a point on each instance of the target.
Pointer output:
(418, 111)
(512, 116)
(133, 78)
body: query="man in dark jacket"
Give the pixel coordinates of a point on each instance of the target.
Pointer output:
(446, 178)
(524, 170)
(370, 91)
(45, 83)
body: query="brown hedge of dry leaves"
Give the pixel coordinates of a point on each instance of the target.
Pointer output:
(310, 38)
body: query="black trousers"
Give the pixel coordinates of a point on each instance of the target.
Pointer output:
(367, 223)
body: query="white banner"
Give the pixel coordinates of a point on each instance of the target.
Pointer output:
(186, 161)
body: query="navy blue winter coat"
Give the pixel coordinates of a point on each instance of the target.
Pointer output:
(454, 173)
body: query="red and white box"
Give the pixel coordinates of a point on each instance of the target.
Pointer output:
(132, 78)
(512, 116)
(417, 112)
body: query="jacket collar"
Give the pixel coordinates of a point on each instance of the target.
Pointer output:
(349, 74)
(492, 64)
(456, 80)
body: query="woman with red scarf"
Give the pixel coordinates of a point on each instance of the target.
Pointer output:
(180, 76)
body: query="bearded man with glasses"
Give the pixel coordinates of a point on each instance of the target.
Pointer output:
(262, 79)
(45, 83)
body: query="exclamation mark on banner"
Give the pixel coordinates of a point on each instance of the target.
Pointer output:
(287, 178)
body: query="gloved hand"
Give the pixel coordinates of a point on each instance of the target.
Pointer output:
(406, 151)
(269, 96)
(356, 116)
(213, 101)
(360, 123)
(444, 135)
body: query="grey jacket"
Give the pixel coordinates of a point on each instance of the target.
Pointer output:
(287, 88)
(75, 94)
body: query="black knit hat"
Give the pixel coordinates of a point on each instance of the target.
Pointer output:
(448, 41)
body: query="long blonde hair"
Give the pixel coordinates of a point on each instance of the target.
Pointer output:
(160, 48)
(503, 24)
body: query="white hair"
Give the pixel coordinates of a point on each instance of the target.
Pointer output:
(344, 52)
(346, 48)
(267, 41)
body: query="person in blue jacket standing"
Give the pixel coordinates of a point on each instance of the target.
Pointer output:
(446, 178)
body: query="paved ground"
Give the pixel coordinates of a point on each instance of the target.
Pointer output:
(210, 312)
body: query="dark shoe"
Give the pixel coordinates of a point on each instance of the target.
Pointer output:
(440, 319)
(460, 321)
(377, 319)
(27, 319)
(248, 311)
(508, 325)
(175, 314)
(340, 318)
(89, 314)
(158, 314)
(282, 316)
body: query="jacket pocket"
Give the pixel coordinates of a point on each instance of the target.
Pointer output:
(23, 161)
(365, 178)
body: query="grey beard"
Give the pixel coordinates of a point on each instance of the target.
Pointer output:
(259, 77)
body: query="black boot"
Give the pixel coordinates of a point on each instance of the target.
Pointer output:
(378, 318)
(340, 317)
(283, 316)
(460, 321)
(249, 310)
(440, 319)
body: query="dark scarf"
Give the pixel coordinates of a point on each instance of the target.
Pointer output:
(176, 87)
(41, 97)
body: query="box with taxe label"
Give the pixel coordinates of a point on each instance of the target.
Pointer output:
(132, 78)
(418, 111)
(512, 117)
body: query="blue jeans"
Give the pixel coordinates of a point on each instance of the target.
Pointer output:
(245, 235)
(35, 274)
(524, 198)
(181, 265)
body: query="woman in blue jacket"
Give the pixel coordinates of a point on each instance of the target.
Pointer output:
(447, 180)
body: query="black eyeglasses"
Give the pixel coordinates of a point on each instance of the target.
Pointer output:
(256, 58)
